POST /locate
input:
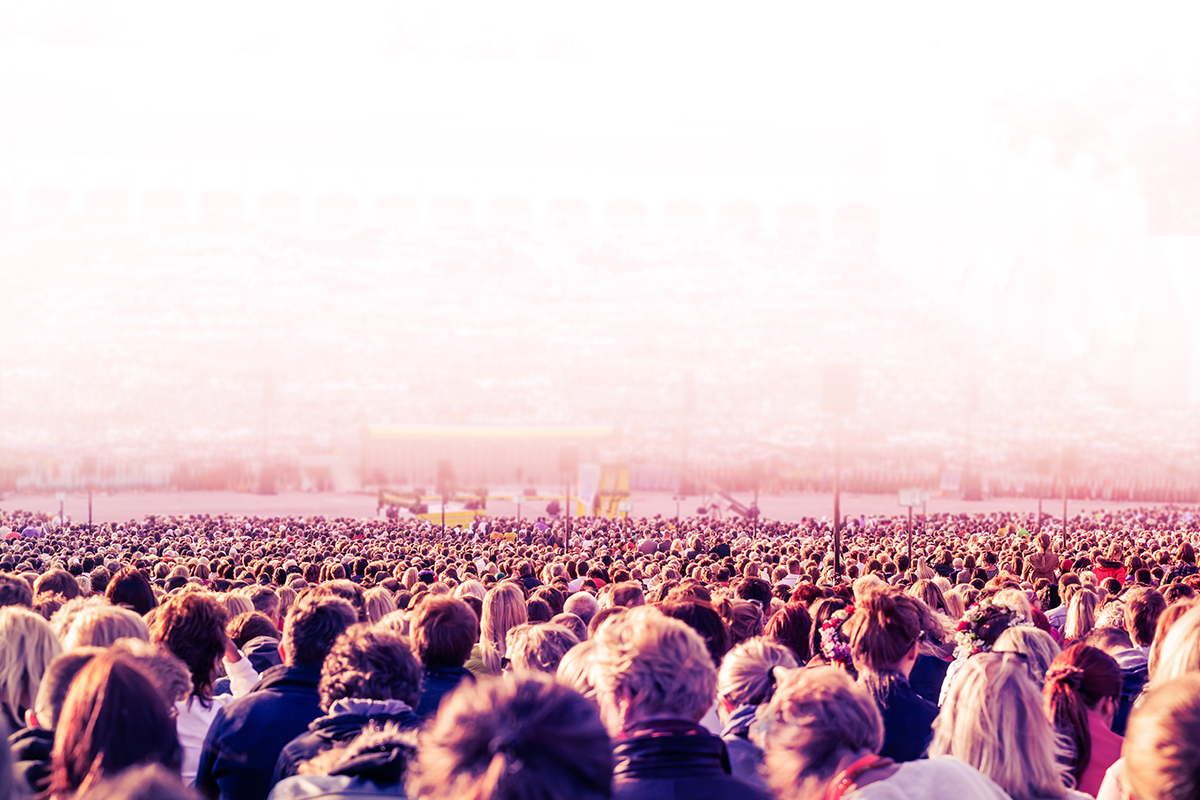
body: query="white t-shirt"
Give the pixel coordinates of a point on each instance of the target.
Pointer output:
(192, 719)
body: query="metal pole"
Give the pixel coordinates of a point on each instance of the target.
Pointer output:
(910, 536)
(89, 509)
(568, 537)
(1064, 541)
(837, 499)
(443, 515)
(1039, 521)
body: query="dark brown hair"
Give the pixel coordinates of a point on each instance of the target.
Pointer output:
(443, 631)
(192, 626)
(369, 663)
(113, 718)
(1079, 678)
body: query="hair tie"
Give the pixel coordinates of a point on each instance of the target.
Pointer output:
(1068, 674)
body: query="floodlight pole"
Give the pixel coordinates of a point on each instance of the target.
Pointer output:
(837, 499)
(910, 535)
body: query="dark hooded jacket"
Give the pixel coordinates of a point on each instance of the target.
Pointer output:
(662, 759)
(372, 765)
(31, 750)
(346, 720)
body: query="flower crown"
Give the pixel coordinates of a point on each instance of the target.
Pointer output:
(969, 642)
(834, 646)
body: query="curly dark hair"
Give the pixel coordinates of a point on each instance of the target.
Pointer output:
(192, 626)
(370, 663)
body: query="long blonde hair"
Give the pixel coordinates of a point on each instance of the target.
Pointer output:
(993, 720)
(503, 609)
(29, 645)
(1180, 652)
(1081, 616)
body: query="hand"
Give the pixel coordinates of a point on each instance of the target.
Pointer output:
(232, 654)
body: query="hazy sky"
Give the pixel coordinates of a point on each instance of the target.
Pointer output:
(94, 74)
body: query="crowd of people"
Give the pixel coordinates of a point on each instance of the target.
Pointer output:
(293, 658)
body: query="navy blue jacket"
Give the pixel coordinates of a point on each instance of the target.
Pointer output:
(436, 683)
(249, 732)
(663, 759)
(346, 720)
(907, 721)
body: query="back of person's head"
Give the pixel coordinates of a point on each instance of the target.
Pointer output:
(132, 589)
(378, 602)
(57, 581)
(1142, 609)
(743, 619)
(572, 623)
(1162, 743)
(149, 782)
(113, 718)
(101, 625)
(1180, 652)
(884, 628)
(582, 605)
(27, 646)
(192, 626)
(313, 624)
(15, 591)
(992, 704)
(165, 669)
(349, 591)
(250, 625)
(265, 601)
(791, 626)
(746, 675)
(756, 590)
(928, 593)
(656, 661)
(503, 608)
(628, 594)
(1037, 647)
(1079, 678)
(443, 631)
(522, 737)
(576, 670)
(369, 663)
(539, 648)
(701, 617)
(815, 718)
(1109, 639)
(56, 681)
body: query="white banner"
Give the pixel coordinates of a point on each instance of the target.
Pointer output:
(589, 484)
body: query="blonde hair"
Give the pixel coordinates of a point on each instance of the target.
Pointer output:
(993, 720)
(1015, 599)
(29, 645)
(100, 626)
(1180, 654)
(235, 604)
(955, 605)
(471, 588)
(816, 717)
(539, 648)
(746, 676)
(575, 669)
(1081, 616)
(1162, 742)
(410, 578)
(379, 603)
(658, 661)
(503, 609)
(1038, 647)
